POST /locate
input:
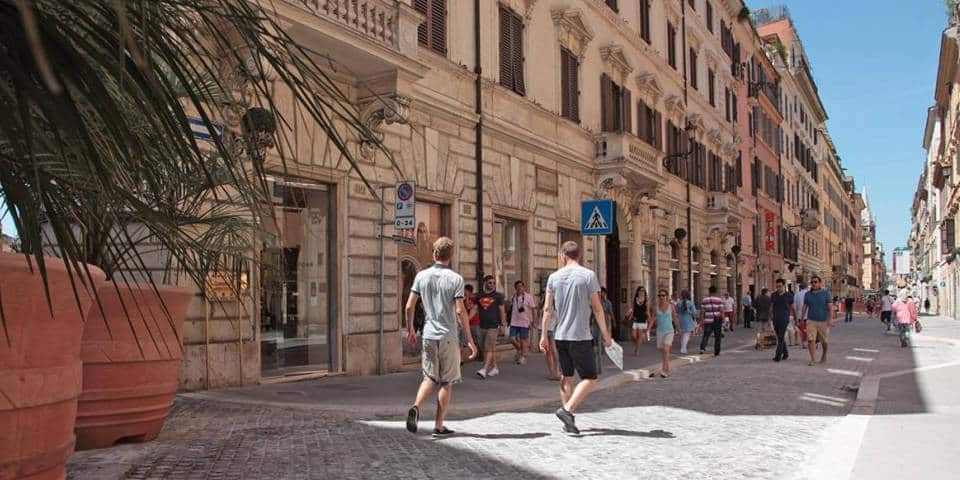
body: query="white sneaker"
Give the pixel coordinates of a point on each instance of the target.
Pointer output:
(493, 372)
(482, 373)
(523, 361)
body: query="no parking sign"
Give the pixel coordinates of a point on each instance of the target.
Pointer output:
(405, 206)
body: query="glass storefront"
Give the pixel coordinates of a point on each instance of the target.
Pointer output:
(431, 225)
(296, 297)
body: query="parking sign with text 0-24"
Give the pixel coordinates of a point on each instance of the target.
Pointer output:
(405, 200)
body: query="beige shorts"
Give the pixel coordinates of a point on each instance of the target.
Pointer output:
(441, 361)
(818, 328)
(488, 339)
(664, 340)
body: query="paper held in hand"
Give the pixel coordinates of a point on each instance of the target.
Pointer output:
(615, 352)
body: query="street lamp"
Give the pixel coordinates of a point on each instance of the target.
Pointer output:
(668, 164)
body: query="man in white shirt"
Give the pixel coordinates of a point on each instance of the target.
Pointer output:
(746, 303)
(572, 293)
(794, 334)
(886, 305)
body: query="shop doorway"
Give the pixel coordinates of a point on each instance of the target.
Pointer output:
(296, 297)
(432, 223)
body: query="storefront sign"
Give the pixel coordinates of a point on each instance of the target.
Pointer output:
(770, 243)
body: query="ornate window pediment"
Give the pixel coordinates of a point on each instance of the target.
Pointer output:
(674, 108)
(522, 7)
(572, 32)
(617, 65)
(649, 88)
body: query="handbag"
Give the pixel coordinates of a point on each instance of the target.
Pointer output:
(917, 326)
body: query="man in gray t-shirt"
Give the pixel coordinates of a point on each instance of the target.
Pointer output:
(572, 293)
(441, 291)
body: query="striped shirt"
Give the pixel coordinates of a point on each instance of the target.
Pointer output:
(712, 309)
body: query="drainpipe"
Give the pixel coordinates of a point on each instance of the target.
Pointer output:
(478, 141)
(688, 161)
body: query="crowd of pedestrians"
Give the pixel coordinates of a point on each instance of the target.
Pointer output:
(576, 322)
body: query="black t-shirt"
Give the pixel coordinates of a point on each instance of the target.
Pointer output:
(848, 302)
(781, 306)
(762, 304)
(489, 306)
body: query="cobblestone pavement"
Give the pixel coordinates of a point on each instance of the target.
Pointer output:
(737, 416)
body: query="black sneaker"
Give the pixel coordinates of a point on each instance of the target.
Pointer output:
(413, 416)
(569, 423)
(442, 432)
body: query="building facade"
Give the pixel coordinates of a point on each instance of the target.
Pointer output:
(933, 274)
(506, 115)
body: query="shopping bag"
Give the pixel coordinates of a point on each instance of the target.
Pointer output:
(917, 326)
(615, 352)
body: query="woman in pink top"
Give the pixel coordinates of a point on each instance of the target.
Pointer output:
(906, 314)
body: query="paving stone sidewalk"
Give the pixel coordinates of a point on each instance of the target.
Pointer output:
(737, 416)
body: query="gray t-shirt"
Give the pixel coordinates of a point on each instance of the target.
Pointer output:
(439, 287)
(571, 288)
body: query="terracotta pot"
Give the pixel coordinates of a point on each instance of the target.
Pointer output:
(39, 366)
(131, 360)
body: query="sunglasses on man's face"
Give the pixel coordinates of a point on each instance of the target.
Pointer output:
(661, 295)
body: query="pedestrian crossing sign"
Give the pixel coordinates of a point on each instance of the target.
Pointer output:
(596, 217)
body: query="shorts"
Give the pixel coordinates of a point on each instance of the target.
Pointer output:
(488, 339)
(818, 328)
(664, 340)
(885, 316)
(763, 325)
(441, 361)
(639, 326)
(522, 332)
(577, 355)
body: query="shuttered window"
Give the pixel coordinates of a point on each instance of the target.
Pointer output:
(712, 87)
(693, 68)
(948, 234)
(710, 17)
(672, 45)
(693, 4)
(726, 103)
(612, 4)
(433, 32)
(645, 20)
(614, 106)
(511, 50)
(569, 85)
(649, 125)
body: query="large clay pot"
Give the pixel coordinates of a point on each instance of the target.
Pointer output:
(128, 389)
(39, 366)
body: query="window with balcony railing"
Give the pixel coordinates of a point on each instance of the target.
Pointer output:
(614, 106)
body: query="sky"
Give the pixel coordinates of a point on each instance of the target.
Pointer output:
(875, 64)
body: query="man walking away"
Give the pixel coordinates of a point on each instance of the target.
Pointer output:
(848, 309)
(572, 292)
(711, 320)
(521, 314)
(762, 306)
(926, 305)
(441, 291)
(781, 305)
(796, 332)
(747, 304)
(886, 303)
(818, 310)
(493, 318)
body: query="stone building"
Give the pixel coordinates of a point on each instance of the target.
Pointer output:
(506, 115)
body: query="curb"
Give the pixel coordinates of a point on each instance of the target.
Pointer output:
(384, 411)
(869, 390)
